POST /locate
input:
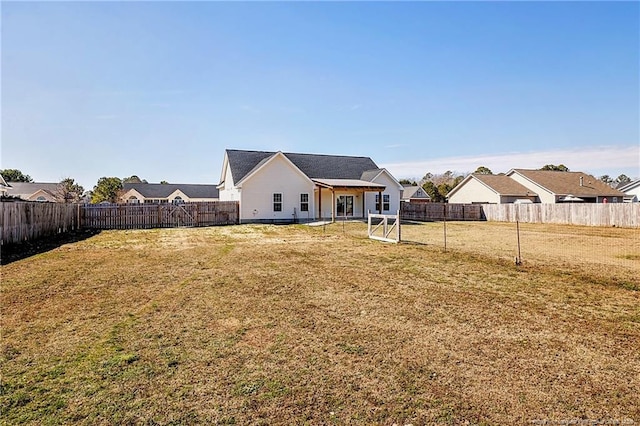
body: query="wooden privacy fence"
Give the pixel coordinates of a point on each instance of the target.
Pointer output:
(145, 216)
(624, 215)
(23, 220)
(440, 211)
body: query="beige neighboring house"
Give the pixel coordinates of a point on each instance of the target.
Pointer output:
(414, 194)
(285, 187)
(34, 191)
(558, 187)
(631, 191)
(490, 189)
(160, 193)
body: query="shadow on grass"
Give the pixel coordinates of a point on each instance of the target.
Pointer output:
(13, 252)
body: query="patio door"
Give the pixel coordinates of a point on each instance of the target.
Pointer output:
(344, 205)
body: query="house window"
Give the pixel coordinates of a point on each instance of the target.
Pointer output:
(178, 200)
(41, 199)
(277, 202)
(304, 202)
(385, 202)
(133, 200)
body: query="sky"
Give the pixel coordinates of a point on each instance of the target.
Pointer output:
(161, 89)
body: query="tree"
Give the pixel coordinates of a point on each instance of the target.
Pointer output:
(431, 189)
(107, 189)
(439, 185)
(407, 182)
(15, 175)
(606, 179)
(69, 191)
(558, 168)
(134, 179)
(622, 180)
(164, 182)
(482, 170)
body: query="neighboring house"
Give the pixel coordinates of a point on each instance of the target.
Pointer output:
(278, 186)
(34, 191)
(414, 194)
(490, 189)
(556, 187)
(631, 191)
(167, 193)
(4, 187)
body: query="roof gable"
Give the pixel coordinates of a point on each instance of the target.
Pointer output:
(414, 191)
(268, 160)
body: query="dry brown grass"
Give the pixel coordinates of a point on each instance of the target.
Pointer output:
(300, 325)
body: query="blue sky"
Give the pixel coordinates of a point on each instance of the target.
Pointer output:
(161, 89)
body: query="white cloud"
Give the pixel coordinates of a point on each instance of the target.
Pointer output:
(611, 160)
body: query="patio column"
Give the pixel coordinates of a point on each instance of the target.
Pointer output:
(333, 205)
(320, 202)
(380, 199)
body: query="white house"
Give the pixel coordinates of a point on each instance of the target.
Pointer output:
(283, 187)
(631, 191)
(134, 193)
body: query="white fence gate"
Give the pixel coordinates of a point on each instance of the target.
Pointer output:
(384, 227)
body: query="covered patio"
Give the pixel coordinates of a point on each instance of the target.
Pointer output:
(346, 197)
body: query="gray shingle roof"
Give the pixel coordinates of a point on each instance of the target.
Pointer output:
(410, 192)
(315, 166)
(159, 190)
(25, 189)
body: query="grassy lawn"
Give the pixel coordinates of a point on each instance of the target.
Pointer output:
(320, 325)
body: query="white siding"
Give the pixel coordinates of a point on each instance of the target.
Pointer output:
(393, 189)
(276, 176)
(228, 192)
(474, 191)
(633, 192)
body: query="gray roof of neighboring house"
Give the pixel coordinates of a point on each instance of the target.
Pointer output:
(410, 192)
(315, 166)
(26, 189)
(563, 183)
(163, 190)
